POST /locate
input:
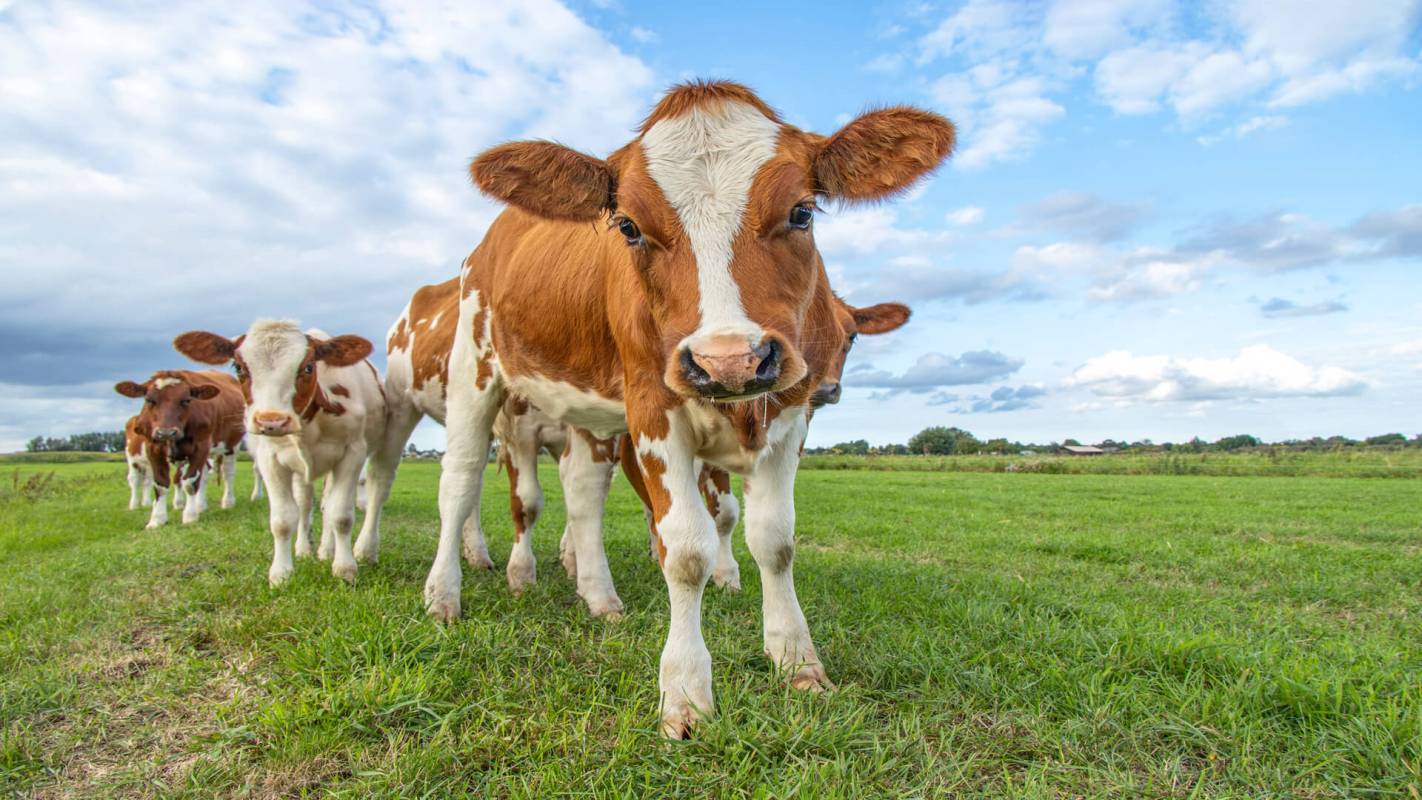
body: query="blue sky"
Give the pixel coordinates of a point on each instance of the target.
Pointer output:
(1162, 221)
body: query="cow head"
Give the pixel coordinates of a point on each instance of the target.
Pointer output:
(276, 364)
(715, 201)
(869, 320)
(167, 403)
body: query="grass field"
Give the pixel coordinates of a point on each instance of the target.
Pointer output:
(996, 635)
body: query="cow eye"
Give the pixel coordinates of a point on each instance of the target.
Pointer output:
(186, 400)
(853, 337)
(801, 216)
(309, 368)
(629, 231)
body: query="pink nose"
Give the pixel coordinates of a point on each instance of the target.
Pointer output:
(272, 423)
(724, 366)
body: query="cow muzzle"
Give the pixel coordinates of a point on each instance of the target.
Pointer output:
(730, 366)
(826, 395)
(166, 434)
(273, 423)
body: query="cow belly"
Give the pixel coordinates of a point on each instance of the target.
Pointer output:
(604, 417)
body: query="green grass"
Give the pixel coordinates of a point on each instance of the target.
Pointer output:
(1360, 462)
(994, 635)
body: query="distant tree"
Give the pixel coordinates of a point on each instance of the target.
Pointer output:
(941, 441)
(1238, 442)
(858, 447)
(1387, 439)
(893, 450)
(1070, 443)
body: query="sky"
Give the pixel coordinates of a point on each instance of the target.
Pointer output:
(1162, 220)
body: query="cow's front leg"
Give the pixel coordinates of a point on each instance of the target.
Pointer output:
(721, 502)
(195, 486)
(770, 534)
(228, 468)
(585, 470)
(302, 493)
(135, 486)
(688, 551)
(284, 516)
(525, 503)
(338, 509)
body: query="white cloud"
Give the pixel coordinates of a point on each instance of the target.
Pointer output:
(869, 230)
(968, 215)
(1258, 372)
(1262, 122)
(290, 159)
(1081, 29)
(642, 35)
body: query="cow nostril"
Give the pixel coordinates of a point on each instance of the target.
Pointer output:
(695, 375)
(769, 367)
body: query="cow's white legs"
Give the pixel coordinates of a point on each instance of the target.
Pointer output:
(196, 490)
(689, 538)
(338, 509)
(256, 477)
(567, 553)
(770, 535)
(228, 467)
(586, 477)
(727, 574)
(180, 498)
(285, 516)
(327, 546)
(468, 424)
(158, 516)
(475, 546)
(525, 504)
(302, 492)
(137, 485)
(380, 476)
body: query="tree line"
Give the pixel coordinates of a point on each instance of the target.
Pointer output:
(96, 442)
(943, 441)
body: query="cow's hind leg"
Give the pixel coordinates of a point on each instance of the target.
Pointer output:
(726, 511)
(520, 457)
(302, 491)
(585, 470)
(228, 467)
(380, 476)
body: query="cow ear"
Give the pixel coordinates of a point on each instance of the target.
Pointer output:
(130, 389)
(547, 180)
(343, 351)
(206, 392)
(882, 153)
(881, 318)
(206, 348)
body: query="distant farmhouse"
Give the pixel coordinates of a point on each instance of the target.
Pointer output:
(1082, 450)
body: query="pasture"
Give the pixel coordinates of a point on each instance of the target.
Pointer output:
(1012, 634)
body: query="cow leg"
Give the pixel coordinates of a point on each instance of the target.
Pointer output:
(380, 477)
(256, 477)
(228, 466)
(338, 509)
(285, 516)
(585, 471)
(472, 404)
(195, 487)
(158, 515)
(770, 534)
(726, 511)
(135, 486)
(326, 548)
(520, 456)
(302, 491)
(180, 498)
(688, 550)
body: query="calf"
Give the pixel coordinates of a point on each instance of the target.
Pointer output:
(140, 475)
(189, 418)
(317, 409)
(685, 318)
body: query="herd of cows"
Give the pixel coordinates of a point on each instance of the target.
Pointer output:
(665, 309)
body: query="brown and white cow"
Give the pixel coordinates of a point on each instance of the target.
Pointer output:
(140, 473)
(684, 273)
(189, 418)
(317, 409)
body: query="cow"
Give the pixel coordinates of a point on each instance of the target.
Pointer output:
(140, 474)
(190, 418)
(317, 409)
(668, 292)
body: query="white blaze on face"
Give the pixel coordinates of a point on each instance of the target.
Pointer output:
(273, 351)
(163, 383)
(704, 162)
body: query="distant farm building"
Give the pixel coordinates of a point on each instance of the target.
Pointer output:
(1082, 450)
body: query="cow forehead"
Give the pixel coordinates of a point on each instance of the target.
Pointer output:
(273, 345)
(704, 162)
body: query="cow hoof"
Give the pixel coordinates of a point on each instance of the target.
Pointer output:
(346, 572)
(521, 577)
(678, 722)
(609, 609)
(228, 504)
(153, 526)
(323, 553)
(367, 555)
(442, 600)
(479, 561)
(730, 580)
(811, 678)
(132, 506)
(277, 577)
(189, 520)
